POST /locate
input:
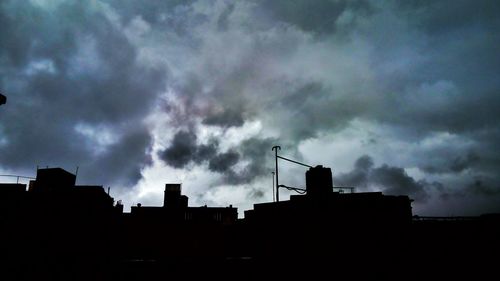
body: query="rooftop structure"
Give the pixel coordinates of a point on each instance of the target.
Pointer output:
(321, 202)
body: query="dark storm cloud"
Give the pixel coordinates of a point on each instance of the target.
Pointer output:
(391, 180)
(122, 162)
(437, 71)
(184, 150)
(481, 185)
(207, 151)
(452, 90)
(424, 68)
(422, 73)
(439, 16)
(256, 194)
(67, 67)
(151, 11)
(222, 162)
(224, 104)
(226, 118)
(396, 182)
(312, 16)
(253, 151)
(358, 177)
(181, 151)
(417, 79)
(455, 164)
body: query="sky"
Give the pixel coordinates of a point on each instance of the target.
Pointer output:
(394, 96)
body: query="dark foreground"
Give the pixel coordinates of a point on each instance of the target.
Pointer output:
(424, 249)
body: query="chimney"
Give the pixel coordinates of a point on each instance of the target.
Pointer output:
(173, 197)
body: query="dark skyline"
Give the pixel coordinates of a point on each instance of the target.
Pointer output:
(59, 230)
(394, 97)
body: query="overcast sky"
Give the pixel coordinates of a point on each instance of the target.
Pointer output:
(395, 96)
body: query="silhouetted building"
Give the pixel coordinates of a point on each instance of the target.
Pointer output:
(175, 210)
(12, 195)
(56, 188)
(55, 220)
(53, 195)
(9, 188)
(327, 227)
(53, 179)
(369, 207)
(321, 204)
(3, 99)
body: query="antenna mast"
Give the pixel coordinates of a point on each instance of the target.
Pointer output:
(299, 190)
(274, 196)
(276, 148)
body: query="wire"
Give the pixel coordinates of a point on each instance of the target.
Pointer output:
(296, 189)
(16, 176)
(293, 161)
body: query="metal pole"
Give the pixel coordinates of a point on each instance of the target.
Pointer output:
(274, 196)
(276, 148)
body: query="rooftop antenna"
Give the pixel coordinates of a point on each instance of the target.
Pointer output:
(76, 172)
(276, 148)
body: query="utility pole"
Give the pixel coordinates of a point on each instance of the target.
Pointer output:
(276, 148)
